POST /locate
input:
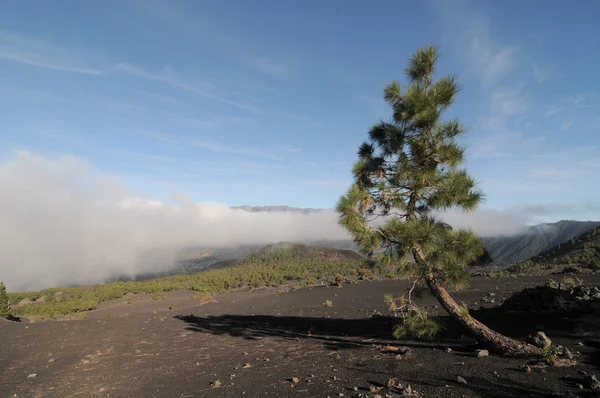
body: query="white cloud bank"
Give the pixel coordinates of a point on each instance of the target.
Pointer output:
(63, 223)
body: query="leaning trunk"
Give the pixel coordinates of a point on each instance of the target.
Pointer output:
(493, 341)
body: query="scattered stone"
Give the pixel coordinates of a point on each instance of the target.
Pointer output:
(540, 340)
(591, 382)
(407, 391)
(491, 294)
(391, 383)
(461, 380)
(85, 361)
(32, 376)
(51, 360)
(526, 368)
(246, 366)
(215, 384)
(580, 386)
(295, 380)
(355, 388)
(448, 349)
(482, 353)
(374, 388)
(567, 353)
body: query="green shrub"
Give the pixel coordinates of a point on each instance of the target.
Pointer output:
(5, 311)
(250, 272)
(418, 325)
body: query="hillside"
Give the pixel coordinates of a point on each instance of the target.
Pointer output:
(583, 250)
(537, 239)
(295, 251)
(272, 266)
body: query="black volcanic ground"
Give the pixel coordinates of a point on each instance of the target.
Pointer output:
(256, 343)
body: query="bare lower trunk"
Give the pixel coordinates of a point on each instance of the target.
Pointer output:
(493, 341)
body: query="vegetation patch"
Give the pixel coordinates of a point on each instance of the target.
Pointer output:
(272, 267)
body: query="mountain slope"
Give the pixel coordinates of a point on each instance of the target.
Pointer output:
(292, 252)
(510, 250)
(582, 250)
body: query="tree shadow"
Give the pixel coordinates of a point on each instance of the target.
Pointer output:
(335, 333)
(340, 333)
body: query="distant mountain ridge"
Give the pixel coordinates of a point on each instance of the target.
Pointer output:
(537, 239)
(581, 250)
(259, 209)
(504, 250)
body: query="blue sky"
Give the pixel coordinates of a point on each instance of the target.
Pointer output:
(266, 102)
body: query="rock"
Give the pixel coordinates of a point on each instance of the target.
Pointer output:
(246, 366)
(567, 353)
(390, 383)
(491, 294)
(448, 349)
(591, 382)
(526, 368)
(461, 380)
(216, 383)
(85, 361)
(295, 380)
(32, 376)
(408, 391)
(482, 353)
(51, 360)
(540, 340)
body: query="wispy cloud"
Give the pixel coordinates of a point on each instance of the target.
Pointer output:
(134, 155)
(504, 104)
(221, 148)
(291, 149)
(265, 65)
(164, 98)
(541, 74)
(567, 124)
(469, 32)
(198, 86)
(176, 17)
(35, 52)
(552, 111)
(164, 138)
(491, 61)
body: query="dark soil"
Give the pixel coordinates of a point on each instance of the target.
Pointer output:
(258, 344)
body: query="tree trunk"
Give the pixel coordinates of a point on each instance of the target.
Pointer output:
(491, 340)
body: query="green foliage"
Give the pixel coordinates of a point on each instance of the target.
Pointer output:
(271, 267)
(583, 250)
(464, 312)
(107, 315)
(419, 325)
(409, 169)
(5, 311)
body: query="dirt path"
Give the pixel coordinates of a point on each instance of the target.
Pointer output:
(254, 344)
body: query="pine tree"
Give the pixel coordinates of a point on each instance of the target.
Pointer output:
(411, 168)
(4, 308)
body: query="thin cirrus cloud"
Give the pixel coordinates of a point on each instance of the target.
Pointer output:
(176, 17)
(201, 87)
(34, 52)
(221, 148)
(541, 74)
